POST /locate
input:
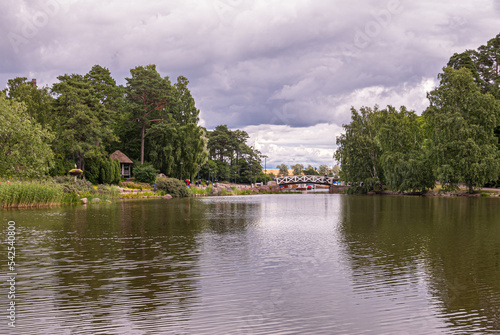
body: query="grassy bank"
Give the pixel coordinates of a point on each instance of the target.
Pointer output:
(221, 189)
(53, 192)
(30, 194)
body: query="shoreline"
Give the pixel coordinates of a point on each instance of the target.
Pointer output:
(222, 189)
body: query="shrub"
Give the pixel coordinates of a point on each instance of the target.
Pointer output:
(100, 170)
(92, 170)
(172, 186)
(110, 190)
(70, 186)
(136, 186)
(145, 173)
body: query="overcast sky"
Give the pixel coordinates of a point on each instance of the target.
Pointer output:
(287, 72)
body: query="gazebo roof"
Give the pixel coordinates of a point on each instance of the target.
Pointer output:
(122, 158)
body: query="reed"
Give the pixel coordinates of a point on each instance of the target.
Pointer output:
(19, 194)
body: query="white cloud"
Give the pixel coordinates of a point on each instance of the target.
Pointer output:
(291, 145)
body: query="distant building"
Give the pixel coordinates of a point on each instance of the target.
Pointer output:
(125, 163)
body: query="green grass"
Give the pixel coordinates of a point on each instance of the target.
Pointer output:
(141, 194)
(30, 194)
(199, 191)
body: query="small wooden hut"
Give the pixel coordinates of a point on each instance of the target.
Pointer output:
(125, 163)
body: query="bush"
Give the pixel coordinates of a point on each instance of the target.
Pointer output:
(135, 186)
(100, 170)
(69, 185)
(145, 173)
(172, 186)
(110, 190)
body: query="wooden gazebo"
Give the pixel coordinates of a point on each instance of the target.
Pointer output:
(125, 163)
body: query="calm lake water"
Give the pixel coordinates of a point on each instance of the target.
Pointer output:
(266, 264)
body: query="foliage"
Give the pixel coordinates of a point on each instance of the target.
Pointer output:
(483, 64)
(37, 101)
(461, 122)
(283, 170)
(145, 173)
(311, 171)
(229, 153)
(80, 119)
(136, 186)
(358, 152)
(172, 186)
(24, 148)
(109, 190)
(323, 169)
(100, 170)
(405, 161)
(297, 169)
(172, 144)
(70, 186)
(61, 166)
(147, 95)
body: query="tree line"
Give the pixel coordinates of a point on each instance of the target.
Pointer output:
(299, 169)
(81, 119)
(455, 141)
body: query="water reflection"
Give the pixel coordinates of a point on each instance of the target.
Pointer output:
(267, 264)
(444, 252)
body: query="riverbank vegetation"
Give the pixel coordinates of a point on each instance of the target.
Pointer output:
(83, 118)
(455, 141)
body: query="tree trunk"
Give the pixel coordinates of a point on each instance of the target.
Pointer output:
(143, 135)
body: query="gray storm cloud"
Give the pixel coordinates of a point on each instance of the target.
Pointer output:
(299, 64)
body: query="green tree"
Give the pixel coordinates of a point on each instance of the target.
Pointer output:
(193, 148)
(336, 170)
(232, 154)
(483, 64)
(81, 123)
(461, 122)
(38, 101)
(221, 143)
(310, 170)
(148, 95)
(358, 152)
(323, 169)
(404, 160)
(24, 144)
(184, 107)
(145, 173)
(283, 170)
(297, 169)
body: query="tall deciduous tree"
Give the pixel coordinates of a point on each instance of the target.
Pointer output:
(297, 169)
(461, 123)
(148, 96)
(484, 65)
(358, 152)
(283, 170)
(38, 101)
(24, 148)
(404, 159)
(323, 169)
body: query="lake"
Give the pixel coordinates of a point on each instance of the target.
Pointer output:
(263, 264)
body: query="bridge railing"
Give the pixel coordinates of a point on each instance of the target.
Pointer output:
(305, 179)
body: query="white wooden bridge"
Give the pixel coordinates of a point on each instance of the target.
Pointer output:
(305, 179)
